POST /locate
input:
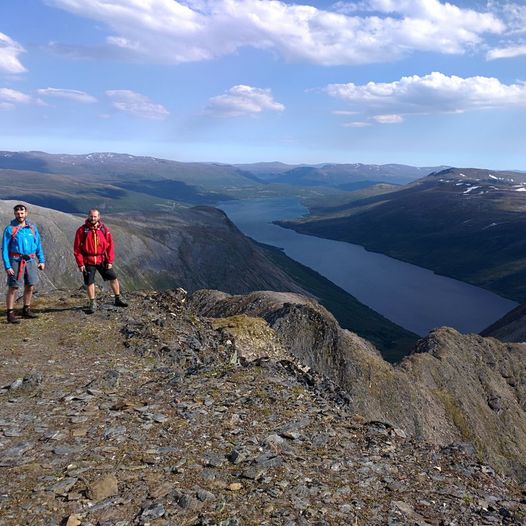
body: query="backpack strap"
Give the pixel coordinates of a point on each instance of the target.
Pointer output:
(102, 229)
(16, 229)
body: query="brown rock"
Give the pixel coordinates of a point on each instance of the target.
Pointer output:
(104, 487)
(74, 520)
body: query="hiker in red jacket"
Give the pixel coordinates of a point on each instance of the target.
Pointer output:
(94, 252)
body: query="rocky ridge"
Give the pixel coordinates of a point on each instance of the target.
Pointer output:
(453, 387)
(157, 415)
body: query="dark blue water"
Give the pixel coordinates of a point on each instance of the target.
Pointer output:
(411, 296)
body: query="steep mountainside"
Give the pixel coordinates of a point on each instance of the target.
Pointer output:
(189, 248)
(154, 415)
(465, 223)
(453, 388)
(510, 328)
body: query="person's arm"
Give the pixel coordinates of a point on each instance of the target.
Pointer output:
(39, 251)
(6, 239)
(110, 250)
(77, 249)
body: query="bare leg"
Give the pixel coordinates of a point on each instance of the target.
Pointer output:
(10, 297)
(115, 287)
(91, 291)
(28, 294)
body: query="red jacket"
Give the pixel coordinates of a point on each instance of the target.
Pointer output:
(93, 245)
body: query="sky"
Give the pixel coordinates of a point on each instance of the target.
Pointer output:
(419, 82)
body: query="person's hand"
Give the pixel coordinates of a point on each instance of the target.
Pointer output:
(41, 266)
(10, 272)
(82, 269)
(109, 265)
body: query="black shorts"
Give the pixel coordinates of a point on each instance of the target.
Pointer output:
(108, 274)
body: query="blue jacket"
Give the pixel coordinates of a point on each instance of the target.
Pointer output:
(27, 241)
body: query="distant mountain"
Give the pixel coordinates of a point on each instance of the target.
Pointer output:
(465, 223)
(128, 169)
(267, 170)
(343, 176)
(201, 183)
(132, 181)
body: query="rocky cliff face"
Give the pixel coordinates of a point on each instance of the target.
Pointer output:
(453, 388)
(156, 415)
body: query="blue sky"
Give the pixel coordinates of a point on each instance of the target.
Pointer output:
(420, 82)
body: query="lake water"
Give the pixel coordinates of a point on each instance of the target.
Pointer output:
(411, 296)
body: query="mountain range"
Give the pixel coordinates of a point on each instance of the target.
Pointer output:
(205, 183)
(342, 176)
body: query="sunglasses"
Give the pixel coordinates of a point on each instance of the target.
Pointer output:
(19, 208)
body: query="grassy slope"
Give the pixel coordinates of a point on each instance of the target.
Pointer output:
(393, 341)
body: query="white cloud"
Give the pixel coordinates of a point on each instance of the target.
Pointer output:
(434, 93)
(71, 94)
(506, 52)
(9, 51)
(137, 104)
(243, 100)
(388, 119)
(356, 124)
(171, 31)
(9, 98)
(514, 15)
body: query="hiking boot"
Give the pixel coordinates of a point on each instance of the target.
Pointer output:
(11, 317)
(28, 313)
(92, 307)
(119, 302)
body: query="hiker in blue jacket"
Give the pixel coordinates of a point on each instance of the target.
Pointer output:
(21, 248)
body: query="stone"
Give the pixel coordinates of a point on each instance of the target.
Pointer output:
(74, 520)
(214, 460)
(274, 441)
(152, 511)
(254, 472)
(238, 455)
(103, 488)
(64, 486)
(204, 495)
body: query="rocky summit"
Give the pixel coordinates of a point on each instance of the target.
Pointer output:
(159, 414)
